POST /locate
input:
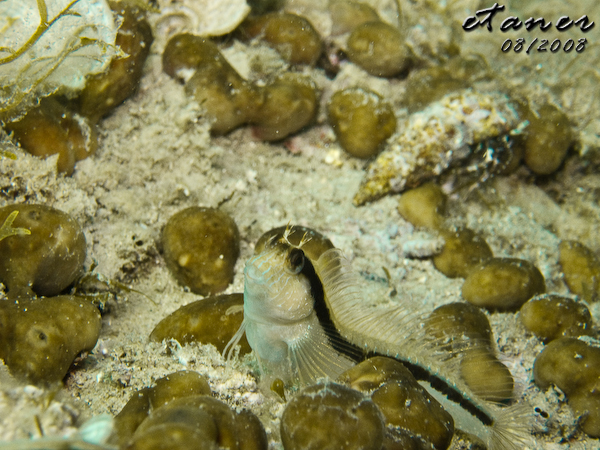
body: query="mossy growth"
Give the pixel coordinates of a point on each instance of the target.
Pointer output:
(212, 320)
(331, 416)
(105, 91)
(185, 417)
(549, 136)
(424, 206)
(463, 251)
(361, 121)
(409, 411)
(503, 284)
(291, 35)
(39, 339)
(379, 49)
(552, 316)
(347, 15)
(574, 366)
(465, 330)
(48, 261)
(52, 128)
(581, 268)
(200, 247)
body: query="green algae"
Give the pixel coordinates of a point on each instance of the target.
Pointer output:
(7, 230)
(7, 154)
(31, 68)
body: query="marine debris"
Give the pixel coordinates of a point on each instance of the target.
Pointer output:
(432, 140)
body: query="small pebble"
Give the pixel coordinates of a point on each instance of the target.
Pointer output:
(424, 206)
(404, 403)
(331, 417)
(362, 121)
(40, 339)
(574, 367)
(503, 284)
(581, 268)
(463, 251)
(48, 260)
(200, 247)
(213, 320)
(379, 49)
(549, 137)
(291, 35)
(552, 316)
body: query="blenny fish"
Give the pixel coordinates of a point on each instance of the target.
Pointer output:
(306, 319)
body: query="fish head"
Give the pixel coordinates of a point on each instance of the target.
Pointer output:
(276, 289)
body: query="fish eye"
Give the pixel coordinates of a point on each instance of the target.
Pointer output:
(296, 260)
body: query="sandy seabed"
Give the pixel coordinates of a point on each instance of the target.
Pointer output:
(156, 157)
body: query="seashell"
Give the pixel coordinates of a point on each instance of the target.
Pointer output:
(443, 134)
(199, 17)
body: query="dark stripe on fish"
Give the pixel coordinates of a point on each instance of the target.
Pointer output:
(355, 353)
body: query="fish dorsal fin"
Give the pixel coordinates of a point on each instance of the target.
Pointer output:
(390, 330)
(312, 357)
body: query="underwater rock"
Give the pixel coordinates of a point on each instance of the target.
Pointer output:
(552, 316)
(198, 422)
(346, 15)
(378, 48)
(105, 91)
(213, 320)
(184, 383)
(574, 367)
(51, 128)
(39, 339)
(404, 403)
(458, 319)
(282, 107)
(361, 121)
(250, 431)
(424, 206)
(229, 100)
(503, 284)
(46, 261)
(314, 245)
(168, 388)
(463, 251)
(329, 417)
(200, 247)
(581, 268)
(444, 133)
(291, 35)
(185, 52)
(290, 104)
(466, 332)
(428, 85)
(129, 418)
(548, 139)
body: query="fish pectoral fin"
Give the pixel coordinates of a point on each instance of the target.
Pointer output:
(235, 340)
(312, 357)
